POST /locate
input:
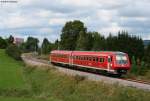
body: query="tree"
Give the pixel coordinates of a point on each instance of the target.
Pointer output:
(31, 44)
(82, 41)
(132, 45)
(98, 42)
(10, 39)
(147, 55)
(3, 43)
(13, 51)
(45, 46)
(90, 39)
(56, 45)
(70, 34)
(110, 43)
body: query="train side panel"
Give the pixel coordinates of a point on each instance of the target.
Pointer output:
(96, 60)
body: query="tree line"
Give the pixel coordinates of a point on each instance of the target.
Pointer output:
(75, 37)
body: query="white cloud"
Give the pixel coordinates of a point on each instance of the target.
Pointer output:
(46, 18)
(57, 21)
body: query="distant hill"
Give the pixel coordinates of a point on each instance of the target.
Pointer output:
(146, 42)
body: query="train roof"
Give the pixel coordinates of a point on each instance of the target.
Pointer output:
(104, 53)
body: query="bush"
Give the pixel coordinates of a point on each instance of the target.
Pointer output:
(3, 43)
(13, 51)
(138, 68)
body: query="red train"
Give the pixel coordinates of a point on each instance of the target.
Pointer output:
(112, 62)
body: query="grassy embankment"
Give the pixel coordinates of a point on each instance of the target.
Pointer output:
(31, 84)
(13, 84)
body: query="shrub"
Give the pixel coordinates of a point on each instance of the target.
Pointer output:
(138, 68)
(134, 68)
(13, 51)
(3, 43)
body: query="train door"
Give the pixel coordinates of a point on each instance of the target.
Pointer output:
(109, 63)
(71, 59)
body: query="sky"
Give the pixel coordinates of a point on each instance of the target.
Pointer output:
(45, 18)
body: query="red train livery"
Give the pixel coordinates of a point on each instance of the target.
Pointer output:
(112, 62)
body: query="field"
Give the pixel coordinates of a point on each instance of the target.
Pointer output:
(24, 83)
(10, 72)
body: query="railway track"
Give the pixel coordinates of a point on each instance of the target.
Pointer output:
(140, 84)
(134, 80)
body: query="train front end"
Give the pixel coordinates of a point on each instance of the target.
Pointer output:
(121, 63)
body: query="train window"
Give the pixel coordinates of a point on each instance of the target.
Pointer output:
(76, 57)
(89, 58)
(96, 59)
(109, 59)
(101, 60)
(93, 58)
(81, 57)
(86, 58)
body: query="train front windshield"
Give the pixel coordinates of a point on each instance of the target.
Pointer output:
(121, 59)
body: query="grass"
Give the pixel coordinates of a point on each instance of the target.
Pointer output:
(51, 83)
(10, 72)
(18, 99)
(24, 83)
(145, 77)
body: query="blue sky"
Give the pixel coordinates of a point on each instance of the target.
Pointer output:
(45, 18)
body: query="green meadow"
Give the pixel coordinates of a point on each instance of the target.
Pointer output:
(10, 72)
